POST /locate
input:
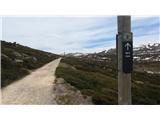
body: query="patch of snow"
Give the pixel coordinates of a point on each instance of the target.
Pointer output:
(77, 54)
(156, 44)
(150, 72)
(104, 58)
(147, 58)
(136, 49)
(136, 57)
(105, 51)
(157, 59)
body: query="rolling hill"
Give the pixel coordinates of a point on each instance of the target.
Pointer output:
(18, 60)
(95, 75)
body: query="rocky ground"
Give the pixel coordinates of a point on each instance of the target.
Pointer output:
(68, 95)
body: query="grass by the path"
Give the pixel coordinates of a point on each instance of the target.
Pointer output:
(102, 88)
(93, 81)
(12, 70)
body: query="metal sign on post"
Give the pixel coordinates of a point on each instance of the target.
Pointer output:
(127, 53)
(125, 59)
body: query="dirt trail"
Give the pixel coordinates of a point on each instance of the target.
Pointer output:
(36, 88)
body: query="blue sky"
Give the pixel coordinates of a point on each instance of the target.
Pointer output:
(60, 34)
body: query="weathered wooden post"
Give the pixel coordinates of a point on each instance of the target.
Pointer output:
(125, 59)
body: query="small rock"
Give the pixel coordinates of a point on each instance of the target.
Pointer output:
(139, 82)
(18, 61)
(5, 57)
(17, 54)
(60, 81)
(24, 55)
(34, 59)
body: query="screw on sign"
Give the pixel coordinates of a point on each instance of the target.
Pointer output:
(127, 56)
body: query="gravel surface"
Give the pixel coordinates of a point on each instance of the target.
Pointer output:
(36, 88)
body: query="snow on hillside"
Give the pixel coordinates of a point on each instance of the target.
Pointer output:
(149, 52)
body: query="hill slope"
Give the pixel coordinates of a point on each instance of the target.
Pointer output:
(36, 88)
(95, 75)
(18, 60)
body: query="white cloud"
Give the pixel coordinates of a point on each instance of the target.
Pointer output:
(55, 33)
(69, 34)
(142, 40)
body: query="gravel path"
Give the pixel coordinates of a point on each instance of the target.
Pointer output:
(36, 88)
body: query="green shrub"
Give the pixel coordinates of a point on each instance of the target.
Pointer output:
(12, 70)
(91, 79)
(103, 89)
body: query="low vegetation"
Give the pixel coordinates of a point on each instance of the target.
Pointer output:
(102, 88)
(17, 61)
(92, 79)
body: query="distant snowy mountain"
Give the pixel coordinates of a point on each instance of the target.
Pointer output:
(76, 54)
(149, 52)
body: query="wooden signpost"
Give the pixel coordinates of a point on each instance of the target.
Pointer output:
(125, 59)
